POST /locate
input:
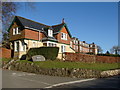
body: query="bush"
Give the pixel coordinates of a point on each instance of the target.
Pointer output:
(91, 53)
(48, 52)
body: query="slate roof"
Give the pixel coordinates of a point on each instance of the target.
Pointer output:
(57, 28)
(39, 26)
(30, 23)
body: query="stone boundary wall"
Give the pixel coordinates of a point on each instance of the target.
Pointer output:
(90, 58)
(64, 72)
(5, 53)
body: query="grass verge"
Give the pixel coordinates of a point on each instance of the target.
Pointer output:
(60, 64)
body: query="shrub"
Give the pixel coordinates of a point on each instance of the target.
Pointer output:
(48, 52)
(91, 53)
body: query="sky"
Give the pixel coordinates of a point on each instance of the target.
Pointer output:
(88, 21)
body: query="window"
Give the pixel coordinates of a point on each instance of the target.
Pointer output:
(23, 46)
(64, 36)
(50, 33)
(80, 48)
(63, 48)
(70, 43)
(90, 45)
(16, 30)
(90, 50)
(34, 44)
(76, 47)
(16, 46)
(76, 42)
(51, 45)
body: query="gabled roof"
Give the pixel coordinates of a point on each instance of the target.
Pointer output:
(26, 23)
(30, 23)
(58, 28)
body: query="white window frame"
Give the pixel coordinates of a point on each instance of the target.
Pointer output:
(23, 47)
(16, 31)
(76, 42)
(91, 50)
(81, 48)
(34, 44)
(63, 48)
(15, 49)
(70, 43)
(50, 33)
(63, 36)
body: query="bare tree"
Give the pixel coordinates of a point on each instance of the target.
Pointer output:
(99, 49)
(115, 49)
(8, 12)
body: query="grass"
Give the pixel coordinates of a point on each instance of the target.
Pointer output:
(5, 59)
(60, 64)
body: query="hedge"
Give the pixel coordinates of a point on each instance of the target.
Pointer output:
(113, 55)
(48, 52)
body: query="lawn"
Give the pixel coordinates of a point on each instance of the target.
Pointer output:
(5, 59)
(60, 64)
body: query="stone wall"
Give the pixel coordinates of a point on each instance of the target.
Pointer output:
(90, 58)
(64, 72)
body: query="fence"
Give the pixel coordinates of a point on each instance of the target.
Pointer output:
(90, 58)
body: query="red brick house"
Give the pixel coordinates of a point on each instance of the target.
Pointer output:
(26, 34)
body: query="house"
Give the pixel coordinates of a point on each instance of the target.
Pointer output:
(82, 46)
(26, 34)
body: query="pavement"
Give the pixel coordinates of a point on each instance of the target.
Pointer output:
(30, 81)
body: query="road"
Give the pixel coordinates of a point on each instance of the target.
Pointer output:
(16, 79)
(111, 83)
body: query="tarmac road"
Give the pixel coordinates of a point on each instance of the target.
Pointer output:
(17, 79)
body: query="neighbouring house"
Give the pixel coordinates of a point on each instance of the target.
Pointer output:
(26, 34)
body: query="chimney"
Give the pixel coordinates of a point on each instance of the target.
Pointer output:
(63, 20)
(83, 41)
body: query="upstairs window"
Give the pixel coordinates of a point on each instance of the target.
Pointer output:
(50, 33)
(64, 36)
(16, 30)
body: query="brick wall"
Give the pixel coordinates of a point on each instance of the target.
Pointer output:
(6, 53)
(90, 58)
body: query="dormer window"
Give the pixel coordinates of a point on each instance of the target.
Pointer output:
(50, 33)
(16, 30)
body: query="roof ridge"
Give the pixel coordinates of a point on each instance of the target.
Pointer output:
(31, 20)
(58, 24)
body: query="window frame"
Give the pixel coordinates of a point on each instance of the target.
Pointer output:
(63, 36)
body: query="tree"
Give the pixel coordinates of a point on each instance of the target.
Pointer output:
(8, 12)
(99, 49)
(107, 52)
(115, 49)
